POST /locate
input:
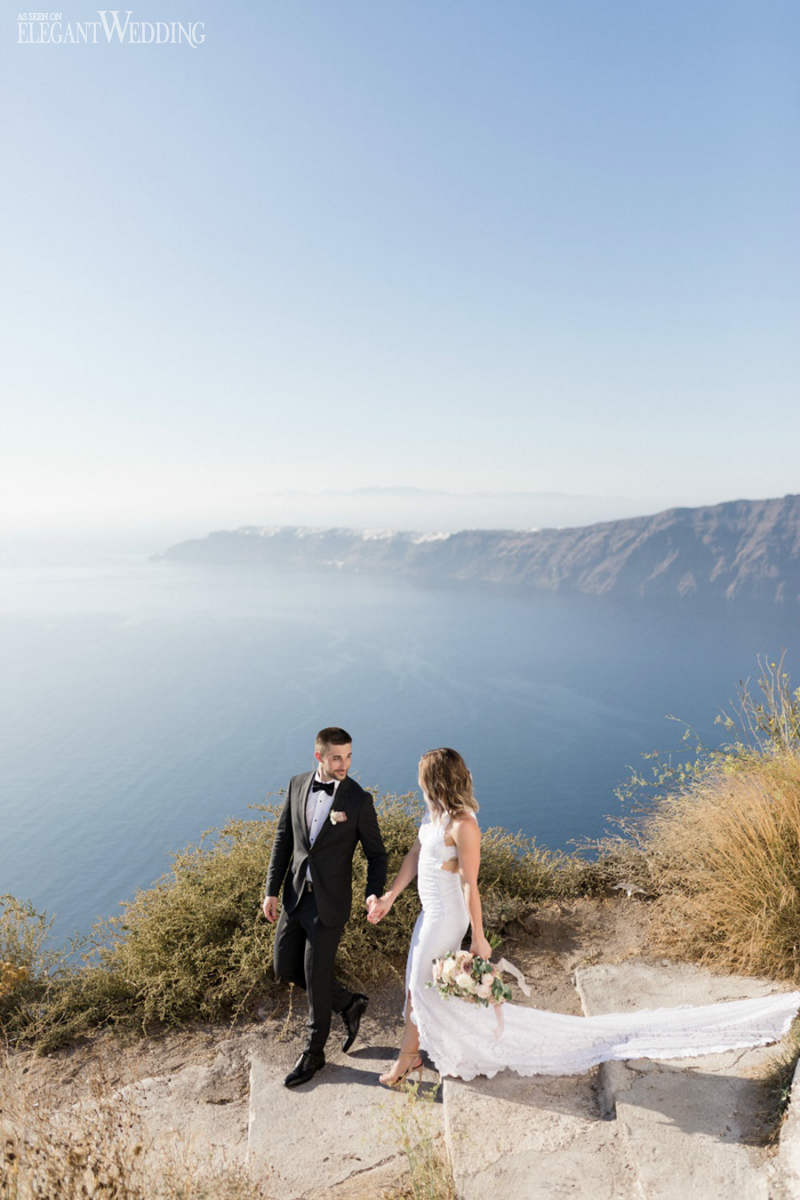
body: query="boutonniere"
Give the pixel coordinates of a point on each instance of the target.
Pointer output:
(337, 815)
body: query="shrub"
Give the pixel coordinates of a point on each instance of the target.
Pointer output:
(720, 841)
(195, 946)
(727, 856)
(25, 963)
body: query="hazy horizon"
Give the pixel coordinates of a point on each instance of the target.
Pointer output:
(396, 508)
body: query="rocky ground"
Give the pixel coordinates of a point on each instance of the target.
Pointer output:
(214, 1097)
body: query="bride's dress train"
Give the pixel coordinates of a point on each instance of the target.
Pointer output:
(466, 1039)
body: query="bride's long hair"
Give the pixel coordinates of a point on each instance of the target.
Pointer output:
(445, 779)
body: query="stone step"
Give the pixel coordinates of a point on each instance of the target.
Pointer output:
(341, 1134)
(534, 1139)
(785, 1167)
(693, 1126)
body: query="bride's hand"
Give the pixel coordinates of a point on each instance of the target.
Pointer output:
(482, 947)
(380, 908)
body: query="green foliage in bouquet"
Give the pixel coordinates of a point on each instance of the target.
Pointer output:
(469, 977)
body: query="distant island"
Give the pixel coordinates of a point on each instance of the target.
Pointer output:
(741, 552)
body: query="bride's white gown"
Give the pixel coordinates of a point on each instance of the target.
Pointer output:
(464, 1039)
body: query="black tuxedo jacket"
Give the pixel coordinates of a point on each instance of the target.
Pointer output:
(330, 859)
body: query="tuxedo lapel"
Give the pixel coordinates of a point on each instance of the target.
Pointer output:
(301, 800)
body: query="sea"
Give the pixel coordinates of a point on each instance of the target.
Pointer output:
(145, 702)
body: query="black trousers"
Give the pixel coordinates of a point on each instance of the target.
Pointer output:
(305, 952)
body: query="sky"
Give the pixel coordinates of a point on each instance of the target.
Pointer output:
(462, 247)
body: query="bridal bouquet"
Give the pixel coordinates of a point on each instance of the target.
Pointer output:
(471, 978)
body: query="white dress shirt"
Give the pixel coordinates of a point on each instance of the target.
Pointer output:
(318, 807)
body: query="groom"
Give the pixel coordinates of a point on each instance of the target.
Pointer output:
(326, 813)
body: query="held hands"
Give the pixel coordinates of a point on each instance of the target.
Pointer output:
(379, 908)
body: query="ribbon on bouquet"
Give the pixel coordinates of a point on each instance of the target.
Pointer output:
(508, 968)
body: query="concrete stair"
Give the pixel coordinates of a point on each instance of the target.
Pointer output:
(693, 1126)
(653, 1131)
(639, 1130)
(534, 1138)
(342, 1134)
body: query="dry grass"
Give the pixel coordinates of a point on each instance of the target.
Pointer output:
(98, 1148)
(430, 1176)
(726, 857)
(716, 840)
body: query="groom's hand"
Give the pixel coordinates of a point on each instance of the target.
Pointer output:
(371, 902)
(270, 908)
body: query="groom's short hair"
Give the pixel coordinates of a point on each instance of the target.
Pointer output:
(332, 735)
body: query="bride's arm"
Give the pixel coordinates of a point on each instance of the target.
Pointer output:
(408, 869)
(467, 837)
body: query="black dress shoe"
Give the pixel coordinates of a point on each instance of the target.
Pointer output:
(305, 1068)
(352, 1018)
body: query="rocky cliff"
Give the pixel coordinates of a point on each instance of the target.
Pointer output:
(743, 551)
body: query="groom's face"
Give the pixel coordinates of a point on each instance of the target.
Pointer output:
(334, 761)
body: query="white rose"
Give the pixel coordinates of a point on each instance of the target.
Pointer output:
(449, 970)
(464, 981)
(484, 990)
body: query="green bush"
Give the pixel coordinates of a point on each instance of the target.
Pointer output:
(25, 964)
(195, 946)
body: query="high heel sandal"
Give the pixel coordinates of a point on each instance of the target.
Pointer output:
(414, 1066)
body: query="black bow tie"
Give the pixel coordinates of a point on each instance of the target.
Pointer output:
(319, 786)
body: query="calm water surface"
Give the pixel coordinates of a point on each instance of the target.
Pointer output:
(143, 704)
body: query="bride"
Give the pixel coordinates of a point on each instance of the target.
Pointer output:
(467, 1039)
